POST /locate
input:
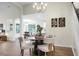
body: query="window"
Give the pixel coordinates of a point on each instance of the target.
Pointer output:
(31, 28)
(17, 28)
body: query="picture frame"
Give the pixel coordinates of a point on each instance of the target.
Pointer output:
(62, 22)
(1, 26)
(11, 27)
(54, 22)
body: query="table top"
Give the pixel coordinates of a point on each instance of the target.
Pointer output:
(33, 38)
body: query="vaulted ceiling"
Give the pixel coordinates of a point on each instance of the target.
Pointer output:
(24, 3)
(8, 10)
(11, 9)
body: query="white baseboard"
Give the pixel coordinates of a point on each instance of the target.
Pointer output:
(63, 45)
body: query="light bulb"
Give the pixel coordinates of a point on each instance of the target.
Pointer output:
(45, 4)
(35, 4)
(44, 7)
(40, 6)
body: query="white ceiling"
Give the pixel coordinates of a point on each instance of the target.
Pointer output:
(8, 10)
(24, 3)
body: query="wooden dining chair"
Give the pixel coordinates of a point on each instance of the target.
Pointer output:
(51, 49)
(25, 44)
(20, 42)
(48, 47)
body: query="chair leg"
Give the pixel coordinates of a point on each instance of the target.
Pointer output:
(30, 51)
(45, 54)
(38, 52)
(22, 52)
(54, 50)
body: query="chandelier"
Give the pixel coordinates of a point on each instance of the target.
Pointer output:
(40, 6)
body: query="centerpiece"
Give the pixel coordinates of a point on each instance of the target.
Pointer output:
(39, 30)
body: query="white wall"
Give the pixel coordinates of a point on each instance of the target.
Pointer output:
(69, 35)
(12, 35)
(6, 26)
(64, 36)
(76, 32)
(37, 18)
(9, 10)
(8, 13)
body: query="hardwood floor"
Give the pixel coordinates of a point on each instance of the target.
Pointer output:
(9, 48)
(12, 48)
(63, 51)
